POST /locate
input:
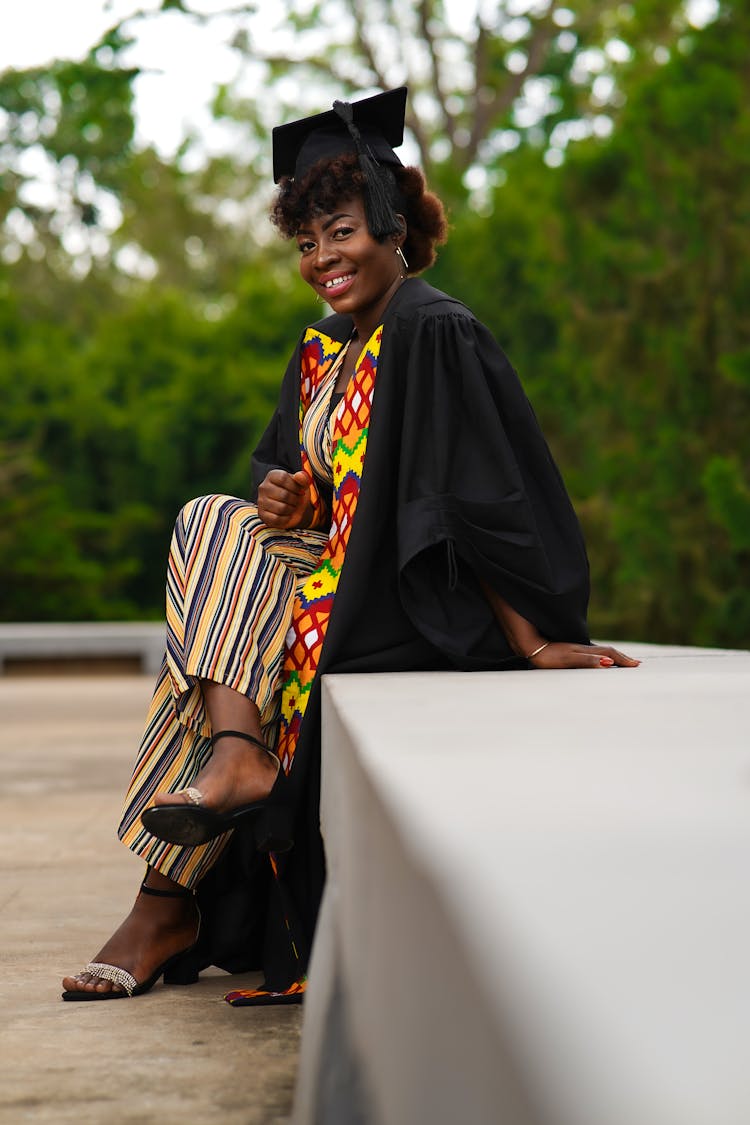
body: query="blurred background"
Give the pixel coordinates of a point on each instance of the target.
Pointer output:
(595, 160)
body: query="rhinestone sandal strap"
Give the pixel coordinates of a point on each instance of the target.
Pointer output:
(193, 795)
(114, 974)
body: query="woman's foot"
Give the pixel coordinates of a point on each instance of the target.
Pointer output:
(156, 929)
(237, 774)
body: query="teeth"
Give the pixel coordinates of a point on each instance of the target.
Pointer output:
(336, 280)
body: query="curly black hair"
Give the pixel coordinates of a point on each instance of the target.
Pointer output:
(329, 182)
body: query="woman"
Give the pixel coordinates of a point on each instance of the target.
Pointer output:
(408, 516)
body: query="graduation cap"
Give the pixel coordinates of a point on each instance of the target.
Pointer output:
(371, 128)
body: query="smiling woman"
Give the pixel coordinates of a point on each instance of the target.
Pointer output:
(345, 265)
(407, 515)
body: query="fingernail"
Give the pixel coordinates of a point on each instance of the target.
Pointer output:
(606, 661)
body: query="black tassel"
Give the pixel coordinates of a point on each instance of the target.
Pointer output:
(381, 218)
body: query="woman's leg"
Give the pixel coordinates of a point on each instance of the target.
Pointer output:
(158, 927)
(237, 773)
(231, 584)
(223, 564)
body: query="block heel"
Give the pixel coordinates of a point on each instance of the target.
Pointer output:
(185, 969)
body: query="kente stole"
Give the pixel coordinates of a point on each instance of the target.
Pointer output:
(314, 601)
(313, 604)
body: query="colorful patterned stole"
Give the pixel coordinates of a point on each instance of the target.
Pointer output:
(313, 604)
(314, 601)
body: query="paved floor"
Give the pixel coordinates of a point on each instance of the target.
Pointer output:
(174, 1055)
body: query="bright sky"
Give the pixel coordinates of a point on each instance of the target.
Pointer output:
(184, 61)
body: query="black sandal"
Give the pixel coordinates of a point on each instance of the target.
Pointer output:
(192, 825)
(180, 968)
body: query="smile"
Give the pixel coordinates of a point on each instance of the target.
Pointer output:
(336, 284)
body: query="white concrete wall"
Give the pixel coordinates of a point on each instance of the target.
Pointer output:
(28, 641)
(538, 905)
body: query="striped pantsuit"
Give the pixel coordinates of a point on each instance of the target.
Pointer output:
(231, 584)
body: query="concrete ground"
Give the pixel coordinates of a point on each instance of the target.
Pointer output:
(173, 1055)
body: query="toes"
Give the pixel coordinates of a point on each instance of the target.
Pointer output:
(85, 982)
(77, 983)
(105, 986)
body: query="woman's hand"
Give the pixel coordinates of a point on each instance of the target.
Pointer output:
(284, 499)
(561, 654)
(525, 640)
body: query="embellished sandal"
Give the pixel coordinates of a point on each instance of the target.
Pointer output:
(193, 824)
(180, 968)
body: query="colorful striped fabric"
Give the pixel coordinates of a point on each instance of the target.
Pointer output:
(248, 606)
(314, 601)
(230, 591)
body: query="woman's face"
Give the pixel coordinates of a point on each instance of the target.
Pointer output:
(345, 265)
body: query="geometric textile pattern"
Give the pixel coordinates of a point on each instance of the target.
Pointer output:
(314, 601)
(318, 354)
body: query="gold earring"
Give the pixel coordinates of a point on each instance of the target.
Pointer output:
(404, 262)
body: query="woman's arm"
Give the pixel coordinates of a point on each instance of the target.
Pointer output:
(526, 641)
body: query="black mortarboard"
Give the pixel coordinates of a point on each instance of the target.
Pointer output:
(371, 128)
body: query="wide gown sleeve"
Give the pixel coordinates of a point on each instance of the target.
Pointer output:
(480, 497)
(278, 447)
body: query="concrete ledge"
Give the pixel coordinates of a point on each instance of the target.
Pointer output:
(78, 640)
(537, 906)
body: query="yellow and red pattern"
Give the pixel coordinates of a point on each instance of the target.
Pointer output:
(314, 601)
(313, 604)
(318, 354)
(255, 997)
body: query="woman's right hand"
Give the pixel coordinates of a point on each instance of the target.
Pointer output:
(561, 654)
(284, 499)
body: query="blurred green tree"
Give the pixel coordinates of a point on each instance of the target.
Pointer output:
(619, 285)
(599, 211)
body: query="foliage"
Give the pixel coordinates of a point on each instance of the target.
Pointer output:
(620, 286)
(659, 305)
(111, 422)
(138, 370)
(480, 75)
(77, 195)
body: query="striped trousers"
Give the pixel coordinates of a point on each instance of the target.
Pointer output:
(231, 584)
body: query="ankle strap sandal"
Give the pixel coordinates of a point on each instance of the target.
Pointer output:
(192, 825)
(181, 968)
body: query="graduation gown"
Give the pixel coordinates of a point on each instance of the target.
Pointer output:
(458, 484)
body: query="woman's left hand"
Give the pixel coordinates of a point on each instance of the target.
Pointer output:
(561, 654)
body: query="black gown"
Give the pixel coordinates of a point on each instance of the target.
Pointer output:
(458, 485)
